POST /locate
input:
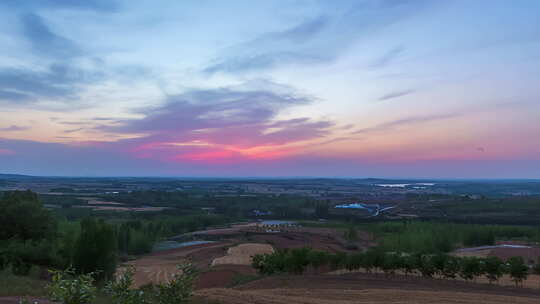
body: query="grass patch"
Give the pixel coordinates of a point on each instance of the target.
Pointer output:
(12, 285)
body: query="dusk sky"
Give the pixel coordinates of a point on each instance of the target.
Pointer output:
(365, 88)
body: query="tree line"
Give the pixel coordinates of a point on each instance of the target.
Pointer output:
(434, 237)
(32, 236)
(297, 261)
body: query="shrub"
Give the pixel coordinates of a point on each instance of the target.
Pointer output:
(180, 288)
(68, 288)
(121, 289)
(425, 265)
(451, 267)
(317, 258)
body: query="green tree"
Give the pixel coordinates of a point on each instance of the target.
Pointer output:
(425, 265)
(317, 258)
(408, 264)
(28, 232)
(23, 217)
(270, 263)
(439, 263)
(451, 267)
(354, 261)
(95, 249)
(338, 260)
(321, 210)
(371, 260)
(493, 268)
(517, 269)
(392, 262)
(469, 268)
(536, 268)
(180, 288)
(297, 260)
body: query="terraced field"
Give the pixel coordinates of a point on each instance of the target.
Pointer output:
(160, 266)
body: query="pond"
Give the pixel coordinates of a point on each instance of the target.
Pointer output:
(172, 244)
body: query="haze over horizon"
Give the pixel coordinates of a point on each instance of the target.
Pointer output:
(408, 88)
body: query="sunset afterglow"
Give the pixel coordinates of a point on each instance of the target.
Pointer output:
(441, 89)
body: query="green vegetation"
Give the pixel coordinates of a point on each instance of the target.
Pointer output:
(16, 285)
(296, 261)
(95, 249)
(499, 209)
(180, 288)
(351, 234)
(23, 217)
(281, 206)
(433, 237)
(121, 290)
(67, 287)
(34, 239)
(91, 243)
(32, 235)
(27, 233)
(517, 269)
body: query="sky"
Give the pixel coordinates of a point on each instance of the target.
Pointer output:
(297, 88)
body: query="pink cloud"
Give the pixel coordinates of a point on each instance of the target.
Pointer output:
(6, 152)
(219, 125)
(209, 157)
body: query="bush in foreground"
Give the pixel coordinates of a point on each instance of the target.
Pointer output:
(69, 288)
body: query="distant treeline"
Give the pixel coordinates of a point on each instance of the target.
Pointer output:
(232, 204)
(478, 209)
(436, 237)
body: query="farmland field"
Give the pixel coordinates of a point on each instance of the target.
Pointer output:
(242, 254)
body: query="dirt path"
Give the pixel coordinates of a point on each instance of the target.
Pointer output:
(360, 281)
(532, 281)
(341, 296)
(367, 288)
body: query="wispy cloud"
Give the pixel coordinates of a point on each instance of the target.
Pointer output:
(395, 94)
(316, 40)
(14, 128)
(388, 57)
(74, 130)
(44, 40)
(96, 5)
(405, 122)
(273, 48)
(58, 81)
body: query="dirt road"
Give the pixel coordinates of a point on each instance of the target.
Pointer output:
(341, 296)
